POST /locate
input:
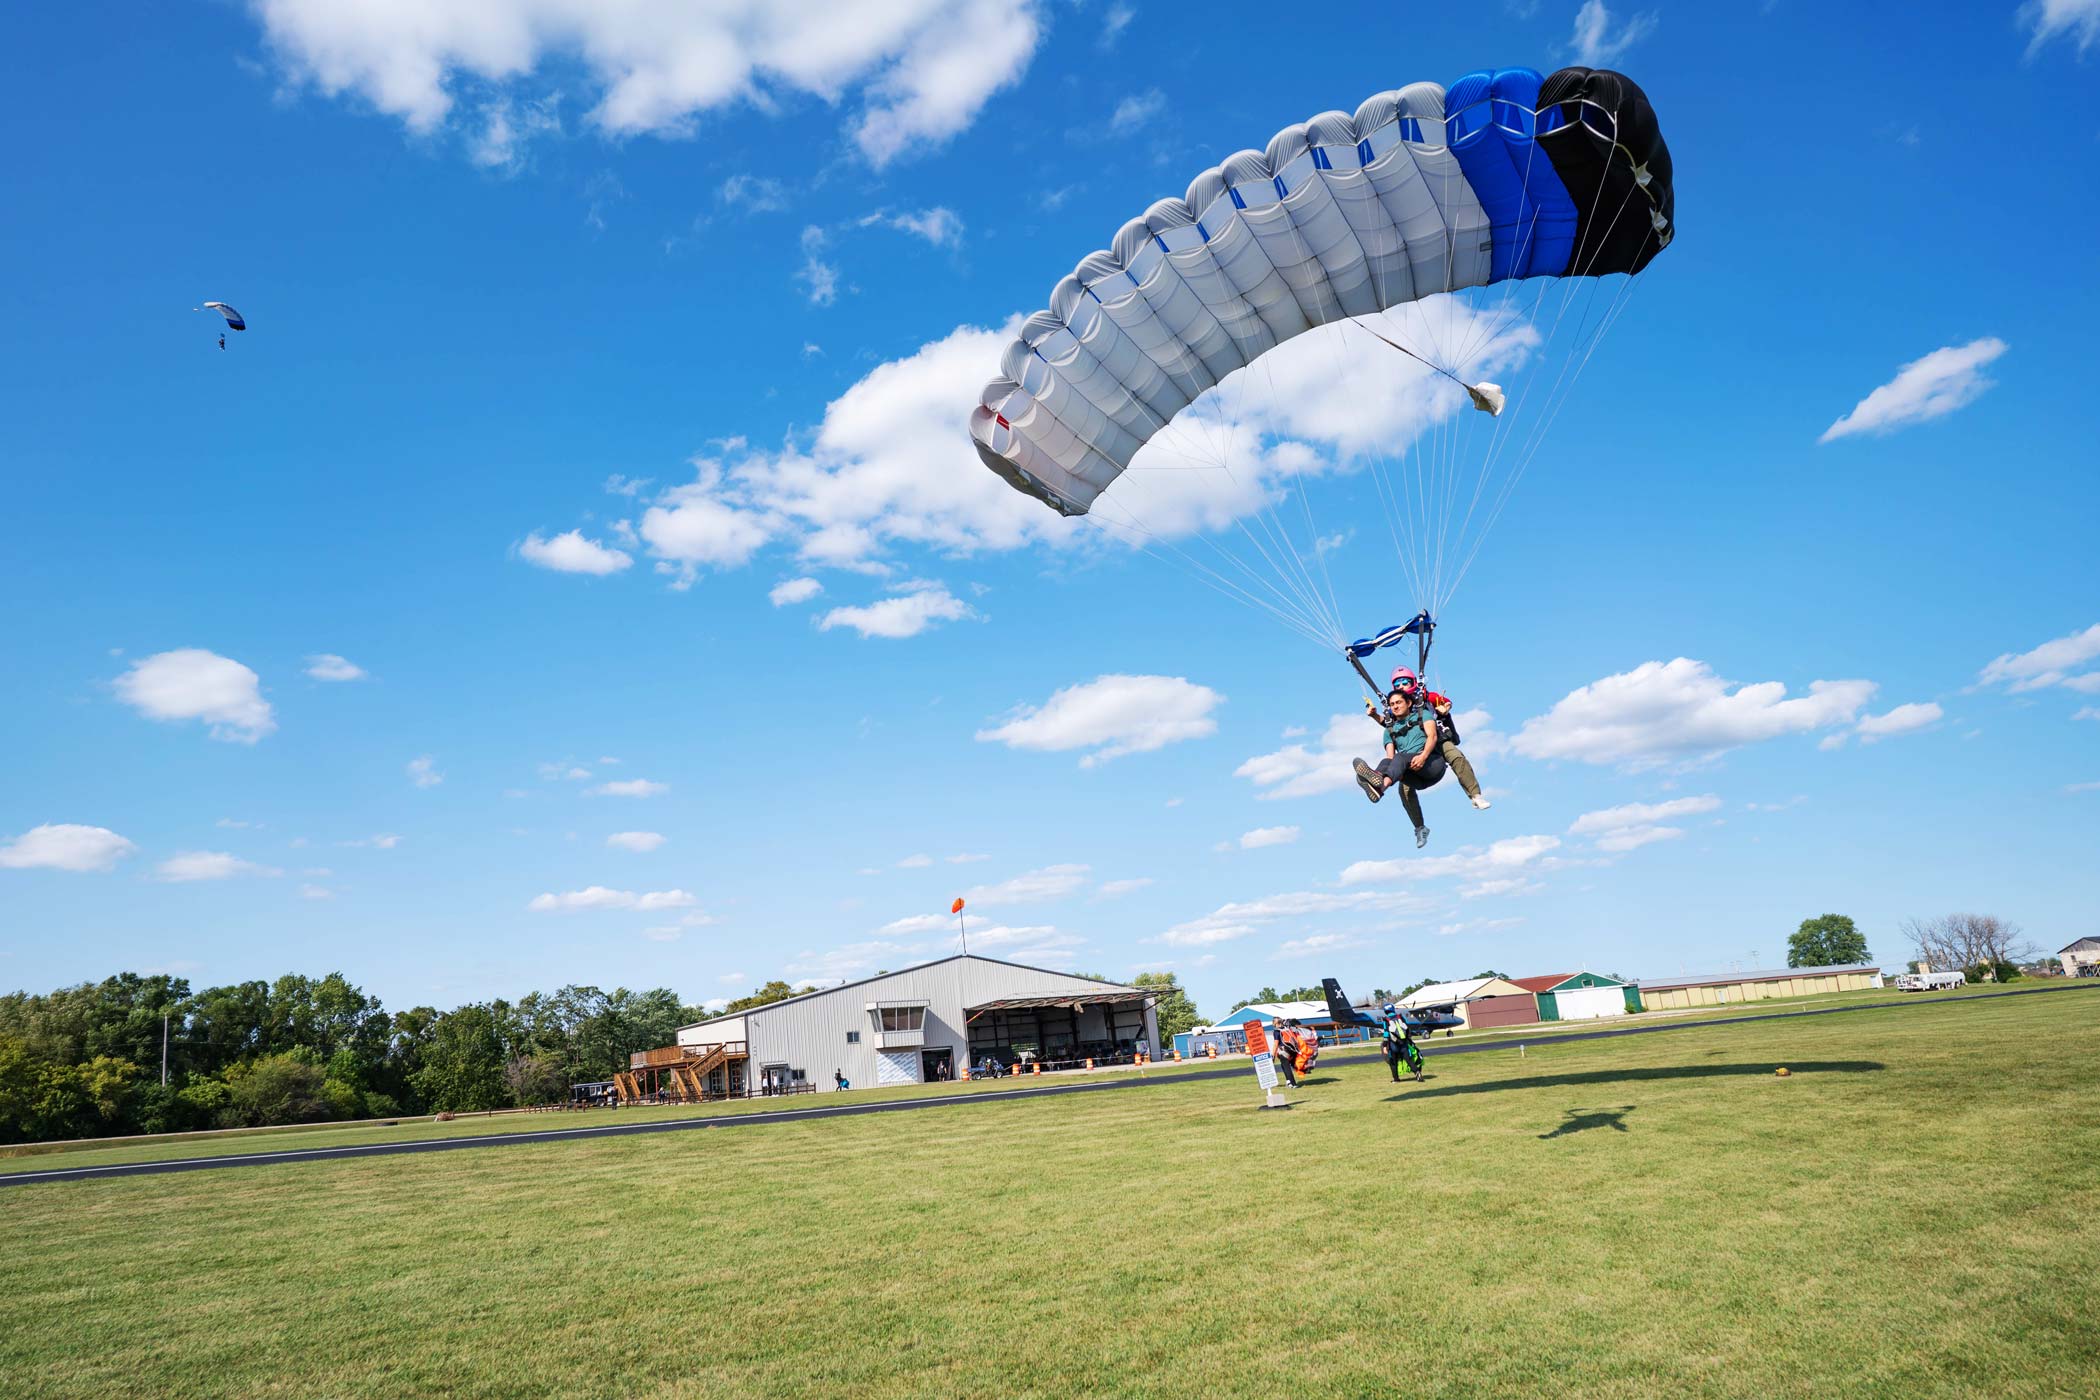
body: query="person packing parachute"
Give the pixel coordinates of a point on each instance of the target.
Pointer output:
(1413, 756)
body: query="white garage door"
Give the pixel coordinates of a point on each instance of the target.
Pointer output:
(896, 1067)
(1588, 1003)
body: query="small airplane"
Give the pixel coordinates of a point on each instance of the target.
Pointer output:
(1420, 1020)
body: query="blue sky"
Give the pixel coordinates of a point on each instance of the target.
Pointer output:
(575, 345)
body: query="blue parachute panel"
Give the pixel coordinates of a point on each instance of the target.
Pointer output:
(1492, 126)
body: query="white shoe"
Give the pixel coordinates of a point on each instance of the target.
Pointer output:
(1481, 804)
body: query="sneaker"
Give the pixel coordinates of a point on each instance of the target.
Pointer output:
(1367, 779)
(1421, 837)
(1481, 804)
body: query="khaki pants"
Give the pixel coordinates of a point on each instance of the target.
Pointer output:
(1461, 766)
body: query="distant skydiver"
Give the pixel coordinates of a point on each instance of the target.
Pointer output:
(1412, 758)
(1447, 731)
(234, 320)
(222, 340)
(1399, 1045)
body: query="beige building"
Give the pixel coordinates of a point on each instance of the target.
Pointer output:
(2081, 959)
(1730, 989)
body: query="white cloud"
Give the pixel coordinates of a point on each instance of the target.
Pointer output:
(1629, 838)
(2086, 712)
(384, 841)
(1498, 861)
(906, 615)
(573, 553)
(1136, 110)
(1242, 917)
(1113, 23)
(185, 866)
(1904, 719)
(1112, 716)
(1112, 889)
(1949, 378)
(1595, 45)
(599, 897)
(191, 683)
(921, 69)
(794, 590)
(918, 923)
(1307, 770)
(2050, 18)
(754, 194)
(940, 225)
(508, 127)
(316, 892)
(2082, 787)
(327, 666)
(1642, 814)
(1318, 943)
(2049, 664)
(1049, 882)
(819, 276)
(422, 771)
(966, 858)
(690, 527)
(915, 862)
(1475, 926)
(640, 842)
(629, 787)
(65, 846)
(1680, 710)
(853, 959)
(1265, 836)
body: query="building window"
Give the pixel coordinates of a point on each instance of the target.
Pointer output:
(900, 1018)
(853, 1037)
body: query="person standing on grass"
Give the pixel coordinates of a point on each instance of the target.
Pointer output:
(839, 1081)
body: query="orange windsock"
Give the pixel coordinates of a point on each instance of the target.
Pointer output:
(957, 907)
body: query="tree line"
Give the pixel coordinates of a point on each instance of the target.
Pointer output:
(87, 1061)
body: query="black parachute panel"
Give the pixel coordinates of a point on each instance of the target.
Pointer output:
(1608, 150)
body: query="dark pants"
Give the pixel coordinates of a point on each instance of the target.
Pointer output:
(1283, 1065)
(1411, 780)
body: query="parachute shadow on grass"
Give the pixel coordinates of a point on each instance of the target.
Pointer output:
(1580, 1122)
(1762, 1068)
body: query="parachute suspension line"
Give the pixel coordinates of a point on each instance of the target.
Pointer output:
(1611, 316)
(1210, 577)
(1584, 287)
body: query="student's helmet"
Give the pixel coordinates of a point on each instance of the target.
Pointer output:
(1403, 679)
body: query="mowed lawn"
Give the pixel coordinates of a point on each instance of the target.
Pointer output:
(1914, 1212)
(33, 1157)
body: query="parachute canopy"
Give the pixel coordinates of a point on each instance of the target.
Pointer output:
(233, 317)
(1504, 176)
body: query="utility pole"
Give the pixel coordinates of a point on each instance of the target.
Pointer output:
(163, 1049)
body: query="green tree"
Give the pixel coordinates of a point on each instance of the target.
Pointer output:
(462, 1063)
(287, 1087)
(773, 991)
(1825, 941)
(1175, 1011)
(1492, 973)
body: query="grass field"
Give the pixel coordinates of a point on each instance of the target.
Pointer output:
(25, 1157)
(1912, 1213)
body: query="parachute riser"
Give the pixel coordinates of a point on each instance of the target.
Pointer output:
(1424, 628)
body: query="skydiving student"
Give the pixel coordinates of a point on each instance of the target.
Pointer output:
(1412, 761)
(1447, 730)
(1395, 1043)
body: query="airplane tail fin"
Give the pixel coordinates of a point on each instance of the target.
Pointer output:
(1338, 1004)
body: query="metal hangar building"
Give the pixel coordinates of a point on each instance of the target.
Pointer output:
(924, 1024)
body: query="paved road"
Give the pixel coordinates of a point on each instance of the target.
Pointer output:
(852, 1110)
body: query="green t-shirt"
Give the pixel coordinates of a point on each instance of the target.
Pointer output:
(1404, 732)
